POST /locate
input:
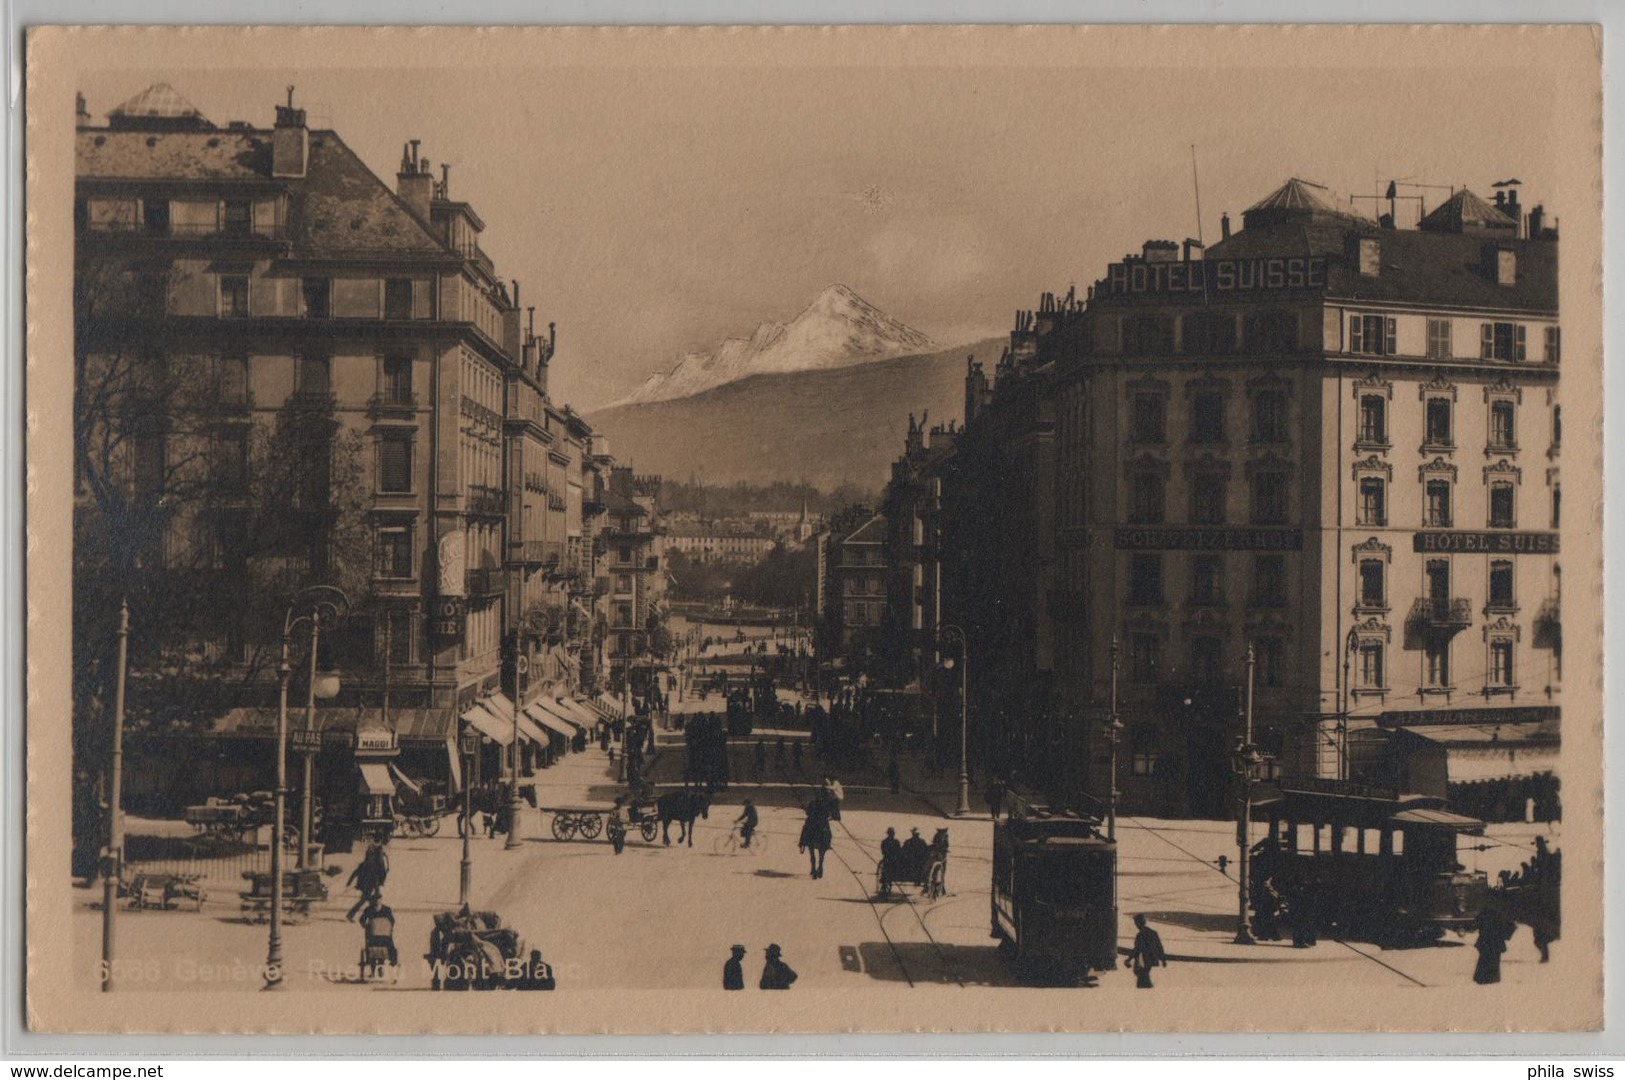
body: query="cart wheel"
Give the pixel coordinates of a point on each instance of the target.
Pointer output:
(429, 825)
(650, 830)
(564, 827)
(938, 883)
(591, 826)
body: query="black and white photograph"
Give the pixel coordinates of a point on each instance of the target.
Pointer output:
(981, 529)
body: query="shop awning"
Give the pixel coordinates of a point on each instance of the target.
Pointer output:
(375, 779)
(552, 708)
(1442, 818)
(486, 723)
(456, 759)
(549, 721)
(578, 712)
(404, 780)
(500, 707)
(611, 707)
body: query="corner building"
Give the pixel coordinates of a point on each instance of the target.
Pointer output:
(1331, 439)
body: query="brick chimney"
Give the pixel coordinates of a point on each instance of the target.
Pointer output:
(290, 142)
(414, 183)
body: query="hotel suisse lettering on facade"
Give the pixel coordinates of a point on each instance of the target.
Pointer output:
(1493, 543)
(1218, 275)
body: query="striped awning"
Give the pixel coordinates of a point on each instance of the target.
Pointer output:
(409, 725)
(551, 707)
(486, 723)
(549, 721)
(578, 712)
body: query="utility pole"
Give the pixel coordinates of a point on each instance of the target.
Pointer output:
(465, 870)
(1114, 734)
(306, 810)
(1248, 758)
(113, 864)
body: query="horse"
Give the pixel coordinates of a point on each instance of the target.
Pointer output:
(682, 807)
(816, 837)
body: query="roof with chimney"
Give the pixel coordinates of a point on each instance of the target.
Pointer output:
(339, 208)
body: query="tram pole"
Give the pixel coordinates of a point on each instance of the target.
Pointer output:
(1114, 734)
(112, 867)
(1247, 757)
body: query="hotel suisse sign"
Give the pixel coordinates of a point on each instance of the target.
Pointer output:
(1131, 538)
(1217, 275)
(1490, 543)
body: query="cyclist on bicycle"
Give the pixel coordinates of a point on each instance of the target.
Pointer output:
(747, 823)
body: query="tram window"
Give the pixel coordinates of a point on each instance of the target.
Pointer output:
(1306, 838)
(1373, 841)
(1399, 841)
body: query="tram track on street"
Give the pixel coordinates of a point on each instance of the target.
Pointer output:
(880, 913)
(1196, 858)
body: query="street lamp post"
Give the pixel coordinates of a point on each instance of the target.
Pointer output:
(321, 600)
(949, 633)
(519, 663)
(465, 869)
(113, 865)
(1248, 759)
(1114, 735)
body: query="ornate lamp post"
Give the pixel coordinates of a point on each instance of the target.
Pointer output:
(319, 601)
(952, 633)
(326, 602)
(519, 665)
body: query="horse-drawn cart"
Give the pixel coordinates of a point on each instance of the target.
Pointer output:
(588, 821)
(925, 870)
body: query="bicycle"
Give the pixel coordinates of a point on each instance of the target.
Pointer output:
(732, 843)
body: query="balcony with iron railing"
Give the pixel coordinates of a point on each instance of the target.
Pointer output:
(485, 501)
(397, 404)
(1442, 613)
(201, 230)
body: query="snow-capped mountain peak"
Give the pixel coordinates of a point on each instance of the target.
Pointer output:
(838, 329)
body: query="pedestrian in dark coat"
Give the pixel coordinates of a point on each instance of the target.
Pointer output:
(368, 878)
(1494, 931)
(1146, 954)
(733, 972)
(776, 974)
(617, 824)
(995, 797)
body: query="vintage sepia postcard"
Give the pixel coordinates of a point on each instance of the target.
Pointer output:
(739, 530)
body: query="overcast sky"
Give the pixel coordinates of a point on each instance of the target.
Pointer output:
(649, 211)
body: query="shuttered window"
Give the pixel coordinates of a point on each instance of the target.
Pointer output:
(395, 461)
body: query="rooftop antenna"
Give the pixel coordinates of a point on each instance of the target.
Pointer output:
(1196, 185)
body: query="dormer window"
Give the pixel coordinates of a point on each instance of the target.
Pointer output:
(1370, 256)
(1506, 267)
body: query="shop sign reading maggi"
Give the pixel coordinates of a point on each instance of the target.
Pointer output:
(1217, 275)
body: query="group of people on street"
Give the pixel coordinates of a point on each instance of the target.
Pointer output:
(776, 974)
(377, 918)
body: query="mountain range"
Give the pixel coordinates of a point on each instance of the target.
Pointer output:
(838, 329)
(824, 426)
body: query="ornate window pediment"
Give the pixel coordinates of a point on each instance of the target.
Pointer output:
(1208, 464)
(1270, 461)
(1503, 628)
(1503, 389)
(1372, 548)
(1260, 383)
(1503, 470)
(1373, 466)
(1373, 383)
(1373, 629)
(1147, 463)
(1207, 383)
(1437, 469)
(1437, 386)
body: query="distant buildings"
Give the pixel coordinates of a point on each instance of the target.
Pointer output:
(1332, 441)
(852, 575)
(745, 539)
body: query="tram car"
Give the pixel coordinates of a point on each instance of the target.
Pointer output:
(1365, 863)
(1054, 896)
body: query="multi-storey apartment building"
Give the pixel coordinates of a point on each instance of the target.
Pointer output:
(1326, 439)
(293, 374)
(636, 586)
